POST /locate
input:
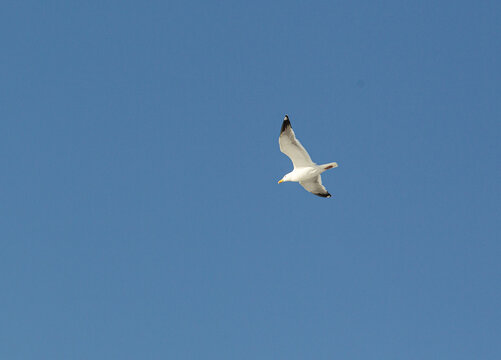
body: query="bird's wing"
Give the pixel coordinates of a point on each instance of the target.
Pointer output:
(314, 185)
(291, 146)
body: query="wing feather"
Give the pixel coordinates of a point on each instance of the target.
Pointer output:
(314, 185)
(291, 146)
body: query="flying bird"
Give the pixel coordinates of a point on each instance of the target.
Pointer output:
(306, 172)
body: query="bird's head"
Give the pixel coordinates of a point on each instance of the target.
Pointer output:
(285, 178)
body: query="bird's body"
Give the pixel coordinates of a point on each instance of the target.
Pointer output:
(303, 173)
(306, 172)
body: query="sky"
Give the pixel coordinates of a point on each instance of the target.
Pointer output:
(140, 212)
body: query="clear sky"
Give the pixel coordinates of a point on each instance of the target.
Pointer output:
(140, 212)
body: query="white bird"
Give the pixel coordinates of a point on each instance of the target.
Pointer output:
(306, 172)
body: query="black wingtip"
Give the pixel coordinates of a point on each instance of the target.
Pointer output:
(285, 124)
(327, 195)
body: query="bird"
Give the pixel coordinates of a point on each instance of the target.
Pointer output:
(306, 172)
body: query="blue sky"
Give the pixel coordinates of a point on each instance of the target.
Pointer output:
(141, 215)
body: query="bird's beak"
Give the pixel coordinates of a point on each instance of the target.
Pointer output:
(280, 181)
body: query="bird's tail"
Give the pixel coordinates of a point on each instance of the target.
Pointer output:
(329, 166)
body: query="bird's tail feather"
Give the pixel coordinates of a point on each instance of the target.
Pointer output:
(329, 166)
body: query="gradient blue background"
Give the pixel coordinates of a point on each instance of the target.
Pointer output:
(140, 212)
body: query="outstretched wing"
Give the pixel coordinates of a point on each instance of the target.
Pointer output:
(314, 185)
(291, 146)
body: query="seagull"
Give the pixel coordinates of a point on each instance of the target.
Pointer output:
(306, 172)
